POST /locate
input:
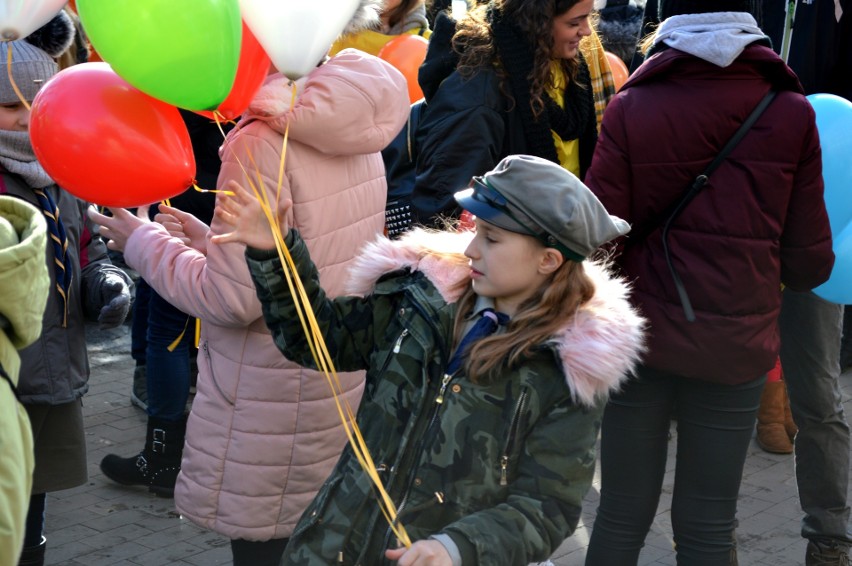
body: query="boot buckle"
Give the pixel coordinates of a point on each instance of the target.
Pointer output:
(158, 445)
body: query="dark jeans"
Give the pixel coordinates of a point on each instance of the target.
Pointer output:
(258, 553)
(156, 326)
(715, 423)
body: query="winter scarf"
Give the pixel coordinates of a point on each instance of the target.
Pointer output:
(17, 156)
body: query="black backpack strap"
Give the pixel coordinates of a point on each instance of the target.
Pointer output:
(699, 183)
(701, 180)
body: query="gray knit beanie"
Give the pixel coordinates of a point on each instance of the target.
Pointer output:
(33, 61)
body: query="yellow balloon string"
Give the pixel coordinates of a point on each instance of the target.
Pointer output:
(12, 80)
(200, 190)
(316, 343)
(293, 91)
(315, 340)
(174, 344)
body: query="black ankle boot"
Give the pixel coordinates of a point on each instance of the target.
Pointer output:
(33, 555)
(157, 466)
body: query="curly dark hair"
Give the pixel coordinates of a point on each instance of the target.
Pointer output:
(474, 42)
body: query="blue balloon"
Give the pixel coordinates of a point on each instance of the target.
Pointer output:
(834, 124)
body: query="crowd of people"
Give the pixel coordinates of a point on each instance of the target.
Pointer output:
(579, 267)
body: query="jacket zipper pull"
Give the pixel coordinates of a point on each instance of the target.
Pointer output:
(504, 467)
(444, 382)
(398, 344)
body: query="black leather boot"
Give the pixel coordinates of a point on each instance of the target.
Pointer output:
(33, 555)
(157, 466)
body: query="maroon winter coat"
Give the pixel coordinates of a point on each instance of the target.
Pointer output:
(760, 222)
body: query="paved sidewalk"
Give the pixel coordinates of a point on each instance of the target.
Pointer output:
(101, 523)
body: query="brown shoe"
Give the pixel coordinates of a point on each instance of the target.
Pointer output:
(771, 433)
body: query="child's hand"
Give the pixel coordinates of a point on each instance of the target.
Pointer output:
(118, 227)
(422, 553)
(243, 213)
(184, 226)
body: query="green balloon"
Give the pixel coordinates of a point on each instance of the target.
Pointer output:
(183, 52)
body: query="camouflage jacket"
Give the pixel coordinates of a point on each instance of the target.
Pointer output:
(500, 468)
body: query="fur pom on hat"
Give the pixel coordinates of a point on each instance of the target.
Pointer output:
(55, 36)
(366, 17)
(33, 61)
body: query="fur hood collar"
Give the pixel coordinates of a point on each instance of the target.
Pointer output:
(598, 348)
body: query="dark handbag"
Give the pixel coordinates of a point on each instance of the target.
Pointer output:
(400, 157)
(692, 191)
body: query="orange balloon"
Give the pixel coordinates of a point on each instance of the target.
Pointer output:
(619, 70)
(406, 52)
(107, 142)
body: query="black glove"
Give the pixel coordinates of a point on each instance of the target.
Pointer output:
(116, 301)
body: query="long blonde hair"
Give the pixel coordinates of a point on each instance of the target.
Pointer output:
(536, 321)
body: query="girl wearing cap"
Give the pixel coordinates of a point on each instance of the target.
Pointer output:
(486, 449)
(760, 221)
(511, 77)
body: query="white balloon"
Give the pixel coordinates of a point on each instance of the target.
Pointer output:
(19, 18)
(296, 34)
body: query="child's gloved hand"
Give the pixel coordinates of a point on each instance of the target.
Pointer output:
(116, 302)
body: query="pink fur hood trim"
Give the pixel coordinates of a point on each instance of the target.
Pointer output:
(599, 347)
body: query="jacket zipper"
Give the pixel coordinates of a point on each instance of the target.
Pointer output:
(398, 344)
(513, 432)
(396, 348)
(444, 381)
(212, 375)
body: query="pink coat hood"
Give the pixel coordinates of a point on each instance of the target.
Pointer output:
(350, 105)
(598, 347)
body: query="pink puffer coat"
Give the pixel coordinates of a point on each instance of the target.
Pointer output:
(264, 433)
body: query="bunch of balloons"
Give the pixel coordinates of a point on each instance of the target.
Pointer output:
(207, 56)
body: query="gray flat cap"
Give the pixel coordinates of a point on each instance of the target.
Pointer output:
(537, 197)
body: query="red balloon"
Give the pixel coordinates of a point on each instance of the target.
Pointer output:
(107, 142)
(619, 70)
(406, 52)
(251, 72)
